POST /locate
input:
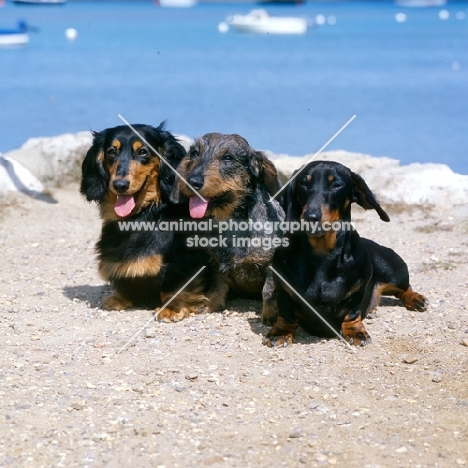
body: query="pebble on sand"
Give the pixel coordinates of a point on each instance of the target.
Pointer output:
(296, 433)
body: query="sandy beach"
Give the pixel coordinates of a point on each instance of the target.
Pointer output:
(205, 391)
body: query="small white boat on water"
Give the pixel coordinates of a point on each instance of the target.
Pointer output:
(39, 2)
(176, 3)
(260, 22)
(15, 37)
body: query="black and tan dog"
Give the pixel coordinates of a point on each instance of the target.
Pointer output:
(236, 182)
(131, 183)
(336, 271)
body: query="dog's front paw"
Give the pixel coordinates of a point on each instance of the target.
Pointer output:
(353, 331)
(281, 334)
(358, 338)
(415, 301)
(169, 315)
(281, 341)
(115, 302)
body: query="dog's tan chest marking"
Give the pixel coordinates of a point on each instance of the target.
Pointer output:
(138, 268)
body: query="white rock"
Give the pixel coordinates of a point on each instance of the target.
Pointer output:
(55, 161)
(425, 184)
(15, 177)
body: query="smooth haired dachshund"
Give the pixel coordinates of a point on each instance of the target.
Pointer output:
(131, 183)
(336, 271)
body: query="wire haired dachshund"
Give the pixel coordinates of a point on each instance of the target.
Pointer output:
(236, 183)
(130, 182)
(336, 271)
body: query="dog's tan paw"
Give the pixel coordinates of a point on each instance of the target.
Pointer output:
(170, 315)
(116, 302)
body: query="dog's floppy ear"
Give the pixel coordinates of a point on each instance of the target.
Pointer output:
(94, 178)
(270, 177)
(264, 171)
(363, 196)
(176, 195)
(291, 206)
(172, 152)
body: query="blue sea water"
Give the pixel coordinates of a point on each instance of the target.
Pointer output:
(407, 83)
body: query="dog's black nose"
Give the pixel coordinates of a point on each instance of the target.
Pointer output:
(196, 181)
(314, 215)
(121, 185)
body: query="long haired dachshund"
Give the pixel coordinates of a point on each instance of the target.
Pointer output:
(131, 183)
(336, 271)
(236, 182)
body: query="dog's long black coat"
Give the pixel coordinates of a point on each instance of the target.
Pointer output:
(123, 173)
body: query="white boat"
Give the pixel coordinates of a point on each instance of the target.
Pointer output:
(14, 37)
(420, 3)
(40, 2)
(260, 22)
(176, 3)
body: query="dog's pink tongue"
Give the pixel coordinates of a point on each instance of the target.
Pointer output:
(197, 207)
(124, 205)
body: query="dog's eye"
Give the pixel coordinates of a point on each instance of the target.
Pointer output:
(111, 153)
(143, 152)
(227, 158)
(336, 185)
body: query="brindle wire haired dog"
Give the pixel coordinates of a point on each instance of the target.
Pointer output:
(129, 182)
(237, 183)
(337, 272)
